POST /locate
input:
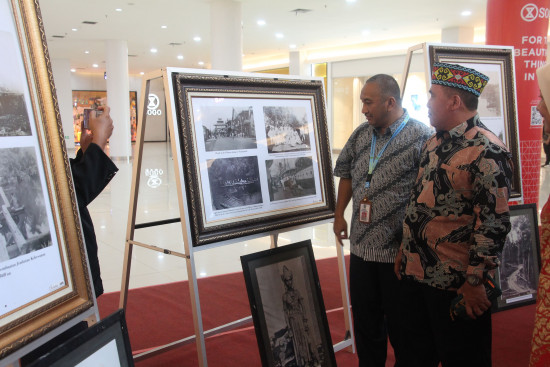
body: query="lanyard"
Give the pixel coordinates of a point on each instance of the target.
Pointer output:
(373, 160)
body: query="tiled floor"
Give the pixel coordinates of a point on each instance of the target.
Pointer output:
(110, 215)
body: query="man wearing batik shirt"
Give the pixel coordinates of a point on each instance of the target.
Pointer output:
(455, 225)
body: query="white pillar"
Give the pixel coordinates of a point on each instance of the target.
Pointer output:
(118, 98)
(226, 32)
(458, 35)
(61, 69)
(297, 63)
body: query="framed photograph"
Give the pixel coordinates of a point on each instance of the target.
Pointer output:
(497, 104)
(287, 307)
(44, 277)
(255, 154)
(105, 343)
(519, 267)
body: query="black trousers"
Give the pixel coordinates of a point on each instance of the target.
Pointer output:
(374, 293)
(430, 335)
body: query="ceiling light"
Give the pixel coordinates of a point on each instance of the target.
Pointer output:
(180, 57)
(74, 29)
(201, 63)
(197, 39)
(142, 73)
(350, 1)
(154, 50)
(86, 52)
(466, 13)
(118, 9)
(292, 46)
(73, 70)
(279, 35)
(95, 65)
(366, 32)
(164, 26)
(261, 22)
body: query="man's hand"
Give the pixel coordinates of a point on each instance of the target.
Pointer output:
(397, 264)
(475, 299)
(101, 126)
(85, 139)
(340, 228)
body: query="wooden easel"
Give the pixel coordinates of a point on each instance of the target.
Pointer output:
(189, 250)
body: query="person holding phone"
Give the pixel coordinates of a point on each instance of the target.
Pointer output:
(92, 170)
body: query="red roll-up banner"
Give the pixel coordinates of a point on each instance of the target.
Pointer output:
(524, 25)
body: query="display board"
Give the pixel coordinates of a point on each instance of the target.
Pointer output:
(255, 154)
(44, 277)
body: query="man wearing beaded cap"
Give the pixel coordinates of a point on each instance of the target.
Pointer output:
(455, 225)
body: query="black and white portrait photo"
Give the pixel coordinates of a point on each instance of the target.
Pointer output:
(23, 221)
(227, 128)
(290, 314)
(518, 270)
(286, 129)
(14, 120)
(234, 182)
(290, 178)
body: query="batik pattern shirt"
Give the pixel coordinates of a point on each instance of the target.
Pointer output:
(390, 185)
(457, 218)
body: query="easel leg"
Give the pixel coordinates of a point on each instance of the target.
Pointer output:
(196, 309)
(345, 294)
(125, 275)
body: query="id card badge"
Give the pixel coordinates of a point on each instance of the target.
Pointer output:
(365, 210)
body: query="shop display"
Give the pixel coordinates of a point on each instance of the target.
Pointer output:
(287, 307)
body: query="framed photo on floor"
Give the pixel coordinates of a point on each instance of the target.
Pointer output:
(287, 307)
(519, 268)
(44, 279)
(255, 154)
(497, 103)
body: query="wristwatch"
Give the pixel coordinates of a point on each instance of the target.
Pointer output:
(473, 280)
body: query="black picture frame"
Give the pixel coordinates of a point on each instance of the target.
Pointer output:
(237, 181)
(520, 261)
(281, 336)
(106, 341)
(497, 104)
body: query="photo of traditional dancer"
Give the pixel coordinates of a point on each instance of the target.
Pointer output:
(234, 182)
(290, 178)
(289, 314)
(228, 128)
(517, 272)
(23, 220)
(286, 128)
(14, 120)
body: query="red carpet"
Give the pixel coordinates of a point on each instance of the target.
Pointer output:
(162, 314)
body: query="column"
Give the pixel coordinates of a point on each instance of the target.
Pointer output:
(61, 69)
(457, 35)
(118, 91)
(226, 34)
(297, 64)
(524, 25)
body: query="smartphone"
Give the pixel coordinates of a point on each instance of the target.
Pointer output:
(86, 114)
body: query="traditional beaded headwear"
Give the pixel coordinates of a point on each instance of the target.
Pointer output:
(456, 76)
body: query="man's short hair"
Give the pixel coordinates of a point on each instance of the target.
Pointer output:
(388, 86)
(470, 101)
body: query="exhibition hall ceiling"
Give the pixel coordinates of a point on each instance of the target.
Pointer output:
(171, 27)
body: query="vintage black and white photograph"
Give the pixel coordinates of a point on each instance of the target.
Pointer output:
(227, 127)
(234, 182)
(290, 321)
(14, 119)
(290, 178)
(23, 221)
(286, 129)
(519, 260)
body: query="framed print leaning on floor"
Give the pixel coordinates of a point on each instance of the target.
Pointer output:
(287, 307)
(255, 154)
(497, 104)
(519, 268)
(44, 278)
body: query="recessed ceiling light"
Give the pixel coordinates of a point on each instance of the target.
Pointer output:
(201, 63)
(118, 9)
(86, 52)
(261, 22)
(74, 29)
(292, 46)
(95, 65)
(164, 26)
(279, 35)
(142, 73)
(73, 70)
(366, 32)
(350, 1)
(180, 57)
(197, 39)
(466, 13)
(154, 50)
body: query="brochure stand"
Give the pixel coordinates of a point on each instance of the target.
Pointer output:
(189, 250)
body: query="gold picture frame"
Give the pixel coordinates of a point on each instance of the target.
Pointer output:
(44, 274)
